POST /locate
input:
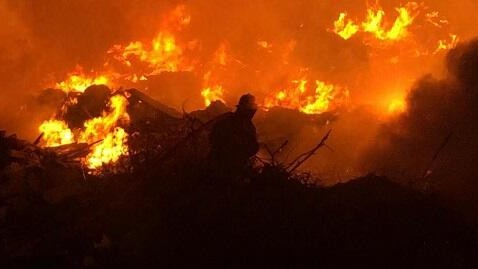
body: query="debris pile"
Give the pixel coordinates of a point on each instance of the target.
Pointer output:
(165, 204)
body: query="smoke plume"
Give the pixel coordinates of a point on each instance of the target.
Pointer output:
(434, 143)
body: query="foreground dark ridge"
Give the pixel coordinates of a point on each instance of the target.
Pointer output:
(55, 218)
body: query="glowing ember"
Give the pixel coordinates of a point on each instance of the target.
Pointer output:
(301, 98)
(109, 141)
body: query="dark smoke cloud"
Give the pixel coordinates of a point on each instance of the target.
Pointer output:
(442, 112)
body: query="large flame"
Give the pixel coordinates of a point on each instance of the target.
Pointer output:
(113, 138)
(168, 52)
(78, 80)
(211, 94)
(376, 25)
(108, 139)
(55, 133)
(309, 100)
(162, 54)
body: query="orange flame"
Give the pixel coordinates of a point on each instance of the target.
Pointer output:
(345, 29)
(300, 98)
(211, 94)
(375, 24)
(397, 106)
(55, 133)
(113, 139)
(444, 45)
(162, 54)
(78, 81)
(212, 89)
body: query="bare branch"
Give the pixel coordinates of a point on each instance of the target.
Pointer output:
(305, 156)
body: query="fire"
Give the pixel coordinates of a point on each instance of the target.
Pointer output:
(444, 45)
(211, 94)
(301, 98)
(162, 54)
(78, 81)
(113, 138)
(107, 139)
(388, 32)
(345, 29)
(319, 102)
(395, 103)
(404, 20)
(376, 25)
(212, 88)
(397, 106)
(110, 150)
(55, 133)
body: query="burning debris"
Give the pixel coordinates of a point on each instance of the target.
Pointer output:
(179, 64)
(104, 133)
(101, 118)
(140, 154)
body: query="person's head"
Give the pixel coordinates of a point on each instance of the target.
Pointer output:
(247, 106)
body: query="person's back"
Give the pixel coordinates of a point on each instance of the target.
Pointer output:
(233, 138)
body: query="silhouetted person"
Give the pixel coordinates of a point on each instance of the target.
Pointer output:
(233, 139)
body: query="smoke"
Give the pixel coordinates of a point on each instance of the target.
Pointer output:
(434, 144)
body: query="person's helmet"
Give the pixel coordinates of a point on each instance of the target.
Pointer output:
(247, 102)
